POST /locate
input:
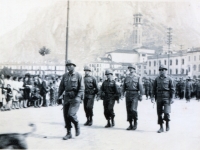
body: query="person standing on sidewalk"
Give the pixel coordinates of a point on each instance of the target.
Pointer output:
(91, 89)
(188, 89)
(134, 90)
(163, 93)
(73, 85)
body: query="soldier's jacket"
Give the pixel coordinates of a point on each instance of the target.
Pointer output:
(181, 85)
(109, 90)
(132, 83)
(72, 84)
(147, 85)
(194, 85)
(91, 87)
(188, 86)
(163, 87)
(198, 86)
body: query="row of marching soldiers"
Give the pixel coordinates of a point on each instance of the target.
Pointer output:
(77, 89)
(185, 88)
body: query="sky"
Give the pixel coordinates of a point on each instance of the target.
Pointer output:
(14, 12)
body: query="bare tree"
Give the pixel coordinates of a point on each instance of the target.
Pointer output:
(44, 51)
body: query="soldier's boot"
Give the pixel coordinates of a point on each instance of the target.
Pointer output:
(87, 122)
(161, 128)
(135, 125)
(90, 121)
(130, 127)
(113, 122)
(167, 126)
(108, 124)
(77, 129)
(68, 136)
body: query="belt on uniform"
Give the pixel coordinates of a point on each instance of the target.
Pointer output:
(163, 91)
(132, 90)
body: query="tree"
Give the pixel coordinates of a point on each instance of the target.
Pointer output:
(6, 71)
(44, 51)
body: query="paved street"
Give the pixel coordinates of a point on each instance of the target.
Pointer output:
(184, 133)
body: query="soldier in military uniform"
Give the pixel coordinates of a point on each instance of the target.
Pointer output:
(109, 93)
(188, 89)
(147, 87)
(134, 90)
(181, 88)
(73, 85)
(198, 89)
(91, 89)
(163, 92)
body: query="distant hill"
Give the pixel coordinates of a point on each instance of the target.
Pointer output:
(98, 27)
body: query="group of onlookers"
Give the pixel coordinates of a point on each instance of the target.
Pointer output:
(31, 90)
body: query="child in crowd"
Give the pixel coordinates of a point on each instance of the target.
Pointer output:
(35, 96)
(52, 93)
(9, 96)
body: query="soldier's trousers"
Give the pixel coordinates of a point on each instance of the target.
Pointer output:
(131, 105)
(88, 105)
(188, 95)
(69, 111)
(198, 95)
(163, 106)
(109, 108)
(147, 93)
(181, 94)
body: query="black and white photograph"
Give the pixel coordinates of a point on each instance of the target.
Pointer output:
(100, 74)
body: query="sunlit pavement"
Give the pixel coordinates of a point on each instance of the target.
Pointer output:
(184, 131)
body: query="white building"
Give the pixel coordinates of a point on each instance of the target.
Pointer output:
(177, 63)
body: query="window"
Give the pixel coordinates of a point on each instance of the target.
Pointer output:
(182, 71)
(149, 71)
(143, 54)
(159, 62)
(182, 61)
(165, 62)
(149, 63)
(176, 61)
(170, 62)
(194, 58)
(194, 67)
(199, 57)
(170, 71)
(189, 69)
(144, 67)
(154, 71)
(154, 63)
(199, 68)
(176, 71)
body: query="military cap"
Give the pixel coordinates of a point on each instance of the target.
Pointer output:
(188, 78)
(27, 75)
(69, 62)
(108, 71)
(162, 67)
(87, 68)
(131, 66)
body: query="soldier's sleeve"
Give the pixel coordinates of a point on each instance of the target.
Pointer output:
(81, 86)
(61, 87)
(95, 86)
(154, 86)
(140, 86)
(123, 88)
(172, 89)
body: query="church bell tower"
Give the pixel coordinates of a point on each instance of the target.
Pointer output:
(137, 30)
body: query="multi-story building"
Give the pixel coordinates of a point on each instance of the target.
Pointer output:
(34, 68)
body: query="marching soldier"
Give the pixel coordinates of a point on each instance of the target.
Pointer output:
(109, 93)
(163, 92)
(181, 88)
(198, 89)
(73, 85)
(188, 89)
(147, 87)
(133, 88)
(91, 89)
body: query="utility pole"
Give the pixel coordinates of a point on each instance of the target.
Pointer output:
(169, 42)
(66, 53)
